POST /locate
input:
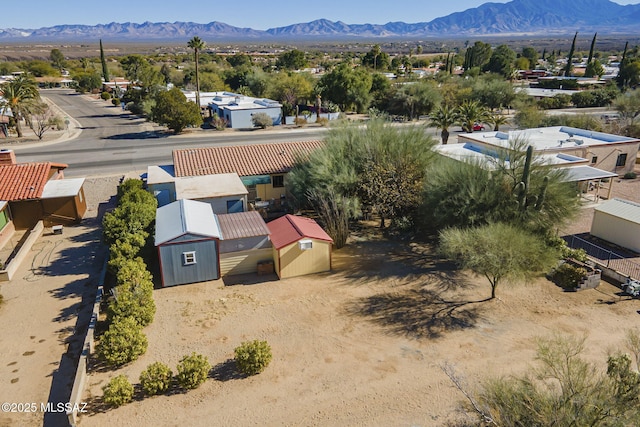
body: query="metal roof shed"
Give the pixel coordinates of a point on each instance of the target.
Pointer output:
(187, 234)
(618, 221)
(245, 243)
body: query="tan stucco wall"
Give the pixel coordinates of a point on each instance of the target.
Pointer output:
(295, 262)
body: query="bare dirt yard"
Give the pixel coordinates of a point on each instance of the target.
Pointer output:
(362, 345)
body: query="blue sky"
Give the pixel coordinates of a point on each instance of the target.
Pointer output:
(256, 14)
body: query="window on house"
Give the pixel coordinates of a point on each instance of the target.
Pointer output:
(594, 159)
(305, 245)
(622, 160)
(189, 258)
(278, 181)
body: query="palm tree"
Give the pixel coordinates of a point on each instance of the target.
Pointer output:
(21, 96)
(496, 120)
(197, 45)
(443, 117)
(470, 112)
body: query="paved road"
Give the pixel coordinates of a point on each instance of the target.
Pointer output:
(114, 142)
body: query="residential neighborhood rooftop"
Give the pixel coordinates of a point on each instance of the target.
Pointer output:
(245, 160)
(24, 181)
(548, 138)
(62, 188)
(208, 186)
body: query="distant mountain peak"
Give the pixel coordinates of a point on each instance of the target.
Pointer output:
(515, 17)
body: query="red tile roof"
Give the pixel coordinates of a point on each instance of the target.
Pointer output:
(25, 181)
(245, 160)
(288, 229)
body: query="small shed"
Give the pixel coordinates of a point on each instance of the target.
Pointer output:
(244, 244)
(300, 246)
(187, 235)
(618, 221)
(63, 201)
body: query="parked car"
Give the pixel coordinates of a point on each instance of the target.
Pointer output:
(478, 126)
(610, 118)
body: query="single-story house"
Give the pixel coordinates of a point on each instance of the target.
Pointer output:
(608, 152)
(187, 235)
(38, 191)
(618, 221)
(261, 167)
(244, 244)
(225, 192)
(237, 109)
(300, 246)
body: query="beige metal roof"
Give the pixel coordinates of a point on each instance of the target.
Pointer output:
(209, 186)
(624, 209)
(242, 224)
(62, 188)
(185, 217)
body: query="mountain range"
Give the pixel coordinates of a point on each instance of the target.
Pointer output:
(517, 17)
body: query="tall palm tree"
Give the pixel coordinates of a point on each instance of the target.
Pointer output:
(197, 45)
(21, 96)
(443, 117)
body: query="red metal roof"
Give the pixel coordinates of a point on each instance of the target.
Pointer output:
(289, 228)
(242, 224)
(25, 181)
(245, 160)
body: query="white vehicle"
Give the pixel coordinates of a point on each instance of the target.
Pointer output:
(632, 287)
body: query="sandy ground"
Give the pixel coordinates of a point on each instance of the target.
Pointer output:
(362, 345)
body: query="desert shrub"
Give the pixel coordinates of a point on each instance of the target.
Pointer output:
(300, 121)
(135, 108)
(122, 343)
(134, 293)
(322, 121)
(568, 276)
(127, 218)
(630, 175)
(252, 357)
(193, 370)
(1, 296)
(262, 120)
(118, 392)
(115, 102)
(156, 378)
(105, 95)
(218, 123)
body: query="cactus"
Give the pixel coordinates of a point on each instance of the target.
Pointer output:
(521, 189)
(542, 194)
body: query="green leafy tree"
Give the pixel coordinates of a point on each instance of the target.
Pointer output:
(87, 81)
(347, 87)
(497, 251)
(118, 391)
(133, 294)
(156, 379)
(21, 96)
(127, 218)
(493, 92)
(477, 55)
(291, 60)
(253, 357)
(590, 71)
(376, 59)
(57, 59)
(122, 343)
(239, 60)
(531, 54)
(628, 105)
(39, 68)
(501, 61)
(197, 45)
(173, 110)
(42, 119)
(444, 117)
(193, 371)
(414, 100)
